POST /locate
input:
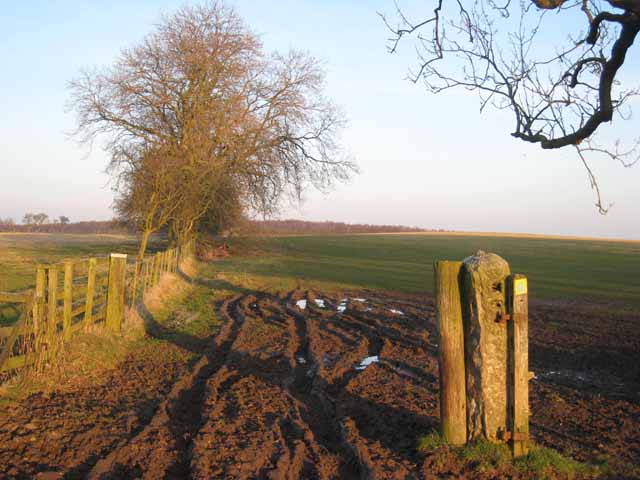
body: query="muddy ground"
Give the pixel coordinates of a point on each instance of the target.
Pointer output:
(282, 392)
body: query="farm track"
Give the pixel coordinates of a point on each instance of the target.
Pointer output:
(279, 395)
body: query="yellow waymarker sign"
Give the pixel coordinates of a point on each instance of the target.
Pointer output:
(520, 286)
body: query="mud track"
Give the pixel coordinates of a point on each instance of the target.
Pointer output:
(282, 393)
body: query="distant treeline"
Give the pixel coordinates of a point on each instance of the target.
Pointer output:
(304, 227)
(260, 227)
(109, 226)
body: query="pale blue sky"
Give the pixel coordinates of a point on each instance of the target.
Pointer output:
(429, 161)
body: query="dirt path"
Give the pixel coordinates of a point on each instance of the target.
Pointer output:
(288, 391)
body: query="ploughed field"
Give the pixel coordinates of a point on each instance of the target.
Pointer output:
(307, 385)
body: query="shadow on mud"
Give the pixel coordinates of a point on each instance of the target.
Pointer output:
(324, 406)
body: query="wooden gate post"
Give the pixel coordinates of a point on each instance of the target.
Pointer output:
(453, 408)
(518, 378)
(116, 292)
(485, 343)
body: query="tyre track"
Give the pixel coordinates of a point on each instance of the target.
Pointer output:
(163, 447)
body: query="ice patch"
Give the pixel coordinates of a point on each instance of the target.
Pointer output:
(320, 302)
(368, 361)
(343, 305)
(397, 312)
(301, 304)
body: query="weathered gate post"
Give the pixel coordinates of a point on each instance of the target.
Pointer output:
(482, 311)
(485, 341)
(453, 408)
(116, 292)
(518, 388)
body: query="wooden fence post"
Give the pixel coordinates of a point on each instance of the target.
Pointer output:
(116, 292)
(91, 291)
(156, 270)
(38, 311)
(68, 299)
(147, 276)
(518, 378)
(134, 285)
(52, 297)
(453, 409)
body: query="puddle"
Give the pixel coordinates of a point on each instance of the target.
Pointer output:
(301, 360)
(361, 300)
(343, 305)
(301, 304)
(368, 361)
(397, 312)
(580, 377)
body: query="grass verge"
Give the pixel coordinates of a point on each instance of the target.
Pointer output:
(483, 457)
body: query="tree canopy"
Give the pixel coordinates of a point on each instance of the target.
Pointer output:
(554, 64)
(201, 123)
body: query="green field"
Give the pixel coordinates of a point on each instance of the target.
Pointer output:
(596, 271)
(21, 252)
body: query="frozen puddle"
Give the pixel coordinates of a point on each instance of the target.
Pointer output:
(397, 312)
(343, 305)
(368, 361)
(319, 302)
(301, 304)
(568, 374)
(600, 380)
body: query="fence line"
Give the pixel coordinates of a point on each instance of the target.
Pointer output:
(75, 295)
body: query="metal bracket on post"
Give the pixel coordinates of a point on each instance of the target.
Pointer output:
(507, 436)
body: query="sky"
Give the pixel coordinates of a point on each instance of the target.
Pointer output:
(432, 161)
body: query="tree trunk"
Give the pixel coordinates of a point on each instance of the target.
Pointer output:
(143, 243)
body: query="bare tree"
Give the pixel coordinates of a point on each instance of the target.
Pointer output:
(148, 193)
(63, 220)
(197, 110)
(554, 64)
(40, 218)
(28, 219)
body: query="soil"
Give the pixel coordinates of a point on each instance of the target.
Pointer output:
(282, 392)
